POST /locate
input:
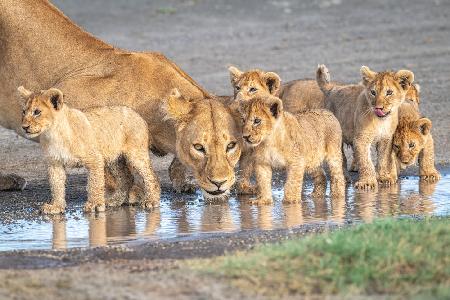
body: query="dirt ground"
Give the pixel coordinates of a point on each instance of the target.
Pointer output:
(204, 37)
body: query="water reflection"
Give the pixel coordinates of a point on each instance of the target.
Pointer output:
(190, 215)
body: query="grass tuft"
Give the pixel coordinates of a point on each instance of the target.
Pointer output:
(403, 257)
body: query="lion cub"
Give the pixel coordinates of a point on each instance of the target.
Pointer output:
(368, 114)
(413, 140)
(299, 143)
(94, 138)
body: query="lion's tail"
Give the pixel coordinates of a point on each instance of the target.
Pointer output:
(323, 79)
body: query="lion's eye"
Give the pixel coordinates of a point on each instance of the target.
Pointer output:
(24, 112)
(395, 147)
(412, 145)
(257, 121)
(373, 92)
(237, 88)
(252, 89)
(199, 148)
(37, 113)
(231, 146)
(389, 92)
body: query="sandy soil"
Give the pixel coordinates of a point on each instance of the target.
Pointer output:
(203, 37)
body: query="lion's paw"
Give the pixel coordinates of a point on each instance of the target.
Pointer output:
(53, 208)
(246, 189)
(431, 177)
(94, 206)
(261, 200)
(367, 184)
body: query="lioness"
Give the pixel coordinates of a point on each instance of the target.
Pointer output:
(205, 134)
(299, 143)
(412, 138)
(51, 51)
(368, 114)
(93, 139)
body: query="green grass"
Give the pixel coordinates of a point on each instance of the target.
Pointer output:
(396, 257)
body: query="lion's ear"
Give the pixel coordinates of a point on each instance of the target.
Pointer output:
(235, 74)
(367, 75)
(275, 106)
(405, 78)
(424, 125)
(24, 93)
(176, 107)
(55, 97)
(272, 81)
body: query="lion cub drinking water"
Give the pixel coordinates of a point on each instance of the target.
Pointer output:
(93, 138)
(299, 143)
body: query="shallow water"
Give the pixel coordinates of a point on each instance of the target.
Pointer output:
(181, 215)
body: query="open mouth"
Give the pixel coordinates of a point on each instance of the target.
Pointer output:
(380, 113)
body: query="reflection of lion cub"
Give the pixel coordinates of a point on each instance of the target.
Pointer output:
(298, 143)
(413, 138)
(368, 114)
(95, 138)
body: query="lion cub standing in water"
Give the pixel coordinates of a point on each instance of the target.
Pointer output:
(299, 143)
(413, 140)
(368, 114)
(93, 138)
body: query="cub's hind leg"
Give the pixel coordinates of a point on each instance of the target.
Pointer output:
(320, 182)
(96, 185)
(140, 161)
(337, 178)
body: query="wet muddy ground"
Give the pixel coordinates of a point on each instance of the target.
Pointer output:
(204, 37)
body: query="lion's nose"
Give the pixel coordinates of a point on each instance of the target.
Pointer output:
(217, 183)
(247, 138)
(25, 128)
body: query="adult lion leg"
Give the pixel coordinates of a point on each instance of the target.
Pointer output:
(140, 161)
(178, 174)
(367, 176)
(387, 171)
(57, 179)
(294, 182)
(118, 181)
(12, 182)
(427, 170)
(96, 185)
(246, 167)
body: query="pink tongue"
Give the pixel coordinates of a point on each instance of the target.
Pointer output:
(379, 112)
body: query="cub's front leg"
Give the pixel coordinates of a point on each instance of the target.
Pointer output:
(263, 172)
(246, 167)
(96, 185)
(428, 171)
(57, 179)
(367, 175)
(387, 170)
(294, 182)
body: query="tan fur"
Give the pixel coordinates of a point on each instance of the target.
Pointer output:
(206, 141)
(43, 48)
(300, 143)
(94, 138)
(413, 140)
(355, 107)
